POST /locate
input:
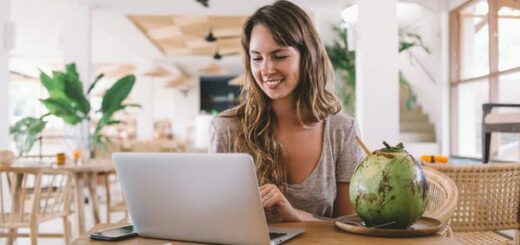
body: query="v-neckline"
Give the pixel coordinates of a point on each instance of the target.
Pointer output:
(318, 164)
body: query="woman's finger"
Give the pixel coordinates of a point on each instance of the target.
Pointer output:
(268, 202)
(267, 186)
(266, 194)
(264, 191)
(272, 196)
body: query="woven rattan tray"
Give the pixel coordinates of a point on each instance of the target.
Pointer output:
(422, 227)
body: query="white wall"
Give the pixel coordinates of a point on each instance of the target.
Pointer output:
(180, 109)
(143, 93)
(39, 33)
(116, 40)
(455, 3)
(327, 16)
(377, 88)
(4, 74)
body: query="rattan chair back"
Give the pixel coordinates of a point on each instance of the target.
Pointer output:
(489, 195)
(442, 195)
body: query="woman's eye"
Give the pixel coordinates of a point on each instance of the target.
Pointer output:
(256, 58)
(280, 57)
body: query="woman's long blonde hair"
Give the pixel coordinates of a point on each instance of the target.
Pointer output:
(314, 97)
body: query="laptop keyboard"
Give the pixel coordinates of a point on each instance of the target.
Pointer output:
(274, 235)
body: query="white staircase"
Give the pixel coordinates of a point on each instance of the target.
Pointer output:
(415, 127)
(416, 131)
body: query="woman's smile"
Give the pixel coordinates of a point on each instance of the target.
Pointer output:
(272, 83)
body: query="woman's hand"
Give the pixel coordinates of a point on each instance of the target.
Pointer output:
(274, 201)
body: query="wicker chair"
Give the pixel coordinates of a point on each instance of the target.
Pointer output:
(34, 196)
(489, 201)
(442, 197)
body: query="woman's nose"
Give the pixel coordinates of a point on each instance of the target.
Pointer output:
(267, 68)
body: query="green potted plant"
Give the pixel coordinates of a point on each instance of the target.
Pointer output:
(69, 102)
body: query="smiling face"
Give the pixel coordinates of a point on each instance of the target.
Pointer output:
(276, 68)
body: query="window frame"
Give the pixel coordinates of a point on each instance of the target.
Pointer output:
(456, 45)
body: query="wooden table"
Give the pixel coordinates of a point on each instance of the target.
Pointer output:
(84, 175)
(316, 232)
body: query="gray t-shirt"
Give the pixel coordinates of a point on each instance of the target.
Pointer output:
(339, 157)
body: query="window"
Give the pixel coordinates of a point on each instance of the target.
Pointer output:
(485, 67)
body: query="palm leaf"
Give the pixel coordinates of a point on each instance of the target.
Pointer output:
(62, 109)
(117, 93)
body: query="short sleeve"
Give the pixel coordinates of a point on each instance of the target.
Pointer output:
(350, 153)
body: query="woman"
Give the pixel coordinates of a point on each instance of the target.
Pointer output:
(290, 120)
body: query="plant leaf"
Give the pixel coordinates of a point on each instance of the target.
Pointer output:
(25, 132)
(71, 69)
(62, 109)
(95, 82)
(49, 83)
(117, 93)
(74, 91)
(54, 85)
(74, 88)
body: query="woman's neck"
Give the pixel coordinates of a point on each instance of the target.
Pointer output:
(285, 112)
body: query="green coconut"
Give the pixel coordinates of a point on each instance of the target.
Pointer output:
(389, 188)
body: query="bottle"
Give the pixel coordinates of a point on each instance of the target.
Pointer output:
(60, 158)
(76, 155)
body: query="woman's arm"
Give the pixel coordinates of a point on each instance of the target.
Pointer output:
(342, 205)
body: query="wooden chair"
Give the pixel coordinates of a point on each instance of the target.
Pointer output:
(114, 198)
(489, 201)
(31, 197)
(442, 198)
(497, 122)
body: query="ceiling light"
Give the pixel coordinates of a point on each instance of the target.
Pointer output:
(217, 55)
(210, 37)
(204, 3)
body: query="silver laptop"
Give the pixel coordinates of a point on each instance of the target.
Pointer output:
(210, 198)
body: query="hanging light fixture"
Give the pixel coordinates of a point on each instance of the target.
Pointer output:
(210, 37)
(217, 55)
(204, 3)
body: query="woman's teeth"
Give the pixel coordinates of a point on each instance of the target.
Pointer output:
(271, 83)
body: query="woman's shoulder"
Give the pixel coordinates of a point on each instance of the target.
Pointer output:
(341, 120)
(227, 119)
